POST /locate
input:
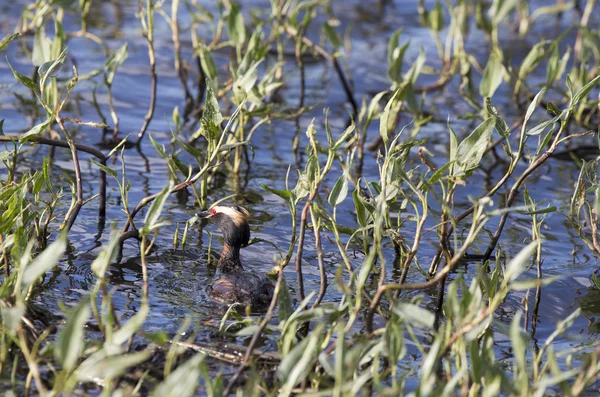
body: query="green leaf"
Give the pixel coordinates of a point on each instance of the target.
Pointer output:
(284, 303)
(44, 261)
(183, 381)
(344, 136)
(236, 26)
(5, 155)
(492, 75)
(383, 120)
(35, 131)
(70, 342)
(246, 82)
(332, 35)
(105, 168)
(11, 317)
(414, 315)
(436, 18)
(26, 81)
(132, 325)
(532, 106)
(114, 61)
(151, 220)
(501, 125)
(284, 194)
(212, 113)
(7, 40)
(106, 256)
(52, 68)
(41, 47)
(339, 192)
(208, 64)
(519, 263)
(471, 150)
(584, 91)
(106, 367)
(519, 340)
(298, 362)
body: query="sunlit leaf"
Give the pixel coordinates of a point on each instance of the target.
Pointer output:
(471, 150)
(114, 61)
(183, 381)
(46, 260)
(414, 315)
(71, 337)
(7, 40)
(339, 192)
(519, 263)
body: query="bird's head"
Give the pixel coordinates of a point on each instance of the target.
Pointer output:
(233, 222)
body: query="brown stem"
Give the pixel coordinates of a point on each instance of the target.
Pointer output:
(515, 189)
(300, 248)
(319, 247)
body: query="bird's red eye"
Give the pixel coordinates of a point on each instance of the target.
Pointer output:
(213, 211)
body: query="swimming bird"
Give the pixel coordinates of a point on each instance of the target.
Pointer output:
(233, 284)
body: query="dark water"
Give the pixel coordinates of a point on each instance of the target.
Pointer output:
(178, 277)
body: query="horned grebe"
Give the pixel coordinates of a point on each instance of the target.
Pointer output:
(233, 284)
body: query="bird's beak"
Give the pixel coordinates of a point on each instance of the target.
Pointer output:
(203, 214)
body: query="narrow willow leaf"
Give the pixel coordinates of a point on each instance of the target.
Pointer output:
(414, 315)
(41, 47)
(236, 26)
(11, 317)
(183, 381)
(519, 340)
(339, 192)
(344, 136)
(7, 40)
(70, 341)
(157, 205)
(361, 211)
(493, 75)
(208, 64)
(519, 263)
(114, 61)
(52, 68)
(44, 261)
(26, 81)
(284, 194)
(104, 168)
(383, 120)
(471, 150)
(35, 131)
(501, 125)
(132, 325)
(212, 111)
(435, 18)
(584, 91)
(532, 106)
(284, 303)
(106, 367)
(296, 365)
(332, 35)
(106, 256)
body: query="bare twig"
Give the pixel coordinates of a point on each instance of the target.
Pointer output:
(149, 29)
(338, 68)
